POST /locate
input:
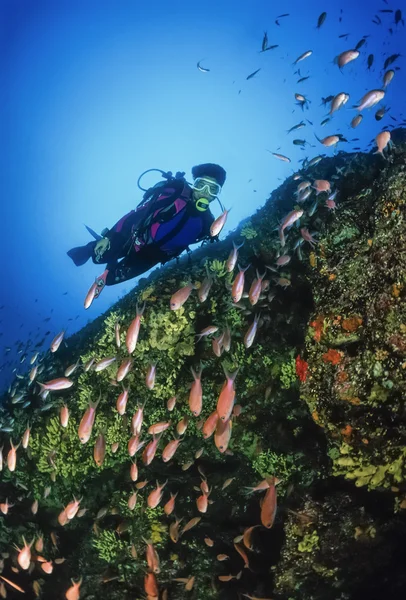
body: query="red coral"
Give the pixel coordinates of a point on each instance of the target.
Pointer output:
(332, 356)
(301, 368)
(317, 325)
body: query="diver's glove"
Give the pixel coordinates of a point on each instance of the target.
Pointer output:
(101, 247)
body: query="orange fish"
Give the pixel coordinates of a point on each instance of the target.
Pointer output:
(209, 542)
(56, 342)
(159, 427)
(150, 450)
(134, 471)
(12, 456)
(227, 483)
(170, 505)
(225, 401)
(137, 420)
(321, 185)
(72, 508)
(382, 140)
(229, 577)
(14, 585)
(121, 403)
(222, 557)
(62, 383)
(134, 444)
(247, 537)
(72, 368)
(150, 377)
(233, 257)
(90, 295)
(34, 507)
(104, 363)
(256, 288)
(219, 223)
(99, 451)
(117, 334)
(124, 369)
(182, 426)
(151, 585)
(47, 567)
(196, 393)
(243, 555)
(170, 450)
(174, 530)
(238, 284)
(217, 344)
(202, 503)
(152, 557)
(24, 555)
(170, 405)
(134, 330)
(132, 501)
(192, 523)
(73, 592)
(346, 57)
(155, 496)
(86, 424)
(222, 434)
(268, 506)
(179, 298)
(210, 425)
(64, 415)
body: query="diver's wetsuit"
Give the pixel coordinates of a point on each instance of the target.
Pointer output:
(173, 224)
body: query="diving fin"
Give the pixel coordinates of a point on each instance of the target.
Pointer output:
(93, 233)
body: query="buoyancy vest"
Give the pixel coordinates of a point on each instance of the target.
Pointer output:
(169, 221)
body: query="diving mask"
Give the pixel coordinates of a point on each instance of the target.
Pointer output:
(201, 184)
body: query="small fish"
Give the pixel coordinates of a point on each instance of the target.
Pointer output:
(150, 450)
(222, 434)
(268, 506)
(298, 126)
(398, 17)
(202, 69)
(222, 557)
(150, 377)
(56, 342)
(170, 505)
(264, 42)
(321, 19)
(370, 99)
(238, 284)
(251, 332)
(99, 451)
(302, 79)
(210, 425)
(281, 157)
(134, 329)
(218, 224)
(390, 60)
(233, 257)
(179, 298)
(303, 56)
(360, 44)
(12, 456)
(338, 101)
(159, 427)
(382, 140)
(346, 57)
(190, 524)
(170, 405)
(290, 218)
(370, 61)
(174, 530)
(62, 383)
(204, 289)
(24, 555)
(196, 393)
(86, 424)
(132, 501)
(356, 121)
(225, 401)
(13, 585)
(121, 403)
(206, 331)
(387, 78)
(253, 74)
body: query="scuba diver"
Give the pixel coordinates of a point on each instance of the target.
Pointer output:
(172, 215)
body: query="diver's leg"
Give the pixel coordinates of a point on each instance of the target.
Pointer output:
(134, 265)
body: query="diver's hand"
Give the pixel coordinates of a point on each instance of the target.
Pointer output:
(101, 247)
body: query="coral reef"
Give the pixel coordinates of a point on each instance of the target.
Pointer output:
(321, 408)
